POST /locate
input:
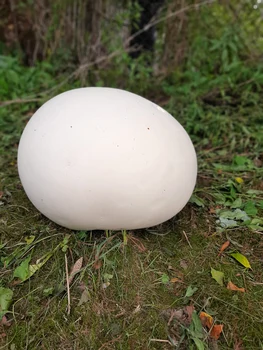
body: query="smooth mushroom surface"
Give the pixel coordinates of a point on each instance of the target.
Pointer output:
(103, 158)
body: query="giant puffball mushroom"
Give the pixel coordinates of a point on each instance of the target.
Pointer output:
(103, 158)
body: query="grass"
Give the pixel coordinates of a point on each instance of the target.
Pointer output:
(130, 282)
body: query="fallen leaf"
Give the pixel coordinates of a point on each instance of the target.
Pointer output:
(1, 194)
(223, 247)
(241, 259)
(29, 239)
(85, 297)
(75, 269)
(189, 309)
(183, 264)
(216, 331)
(190, 291)
(218, 276)
(206, 319)
(232, 286)
(174, 280)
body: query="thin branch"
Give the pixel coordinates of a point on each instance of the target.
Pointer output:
(170, 15)
(18, 101)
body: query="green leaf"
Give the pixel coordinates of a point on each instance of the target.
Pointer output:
(250, 208)
(48, 291)
(6, 296)
(241, 259)
(40, 262)
(197, 200)
(237, 203)
(218, 276)
(226, 223)
(29, 239)
(64, 244)
(107, 277)
(190, 291)
(199, 344)
(85, 297)
(165, 279)
(196, 329)
(241, 160)
(22, 271)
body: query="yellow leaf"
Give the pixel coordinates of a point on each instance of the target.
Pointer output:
(29, 239)
(218, 276)
(239, 180)
(232, 286)
(241, 259)
(206, 319)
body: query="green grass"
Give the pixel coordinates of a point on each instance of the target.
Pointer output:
(121, 297)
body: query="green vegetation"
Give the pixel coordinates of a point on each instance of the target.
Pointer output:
(148, 293)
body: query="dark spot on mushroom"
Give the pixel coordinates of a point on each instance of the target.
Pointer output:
(71, 126)
(148, 128)
(35, 129)
(117, 145)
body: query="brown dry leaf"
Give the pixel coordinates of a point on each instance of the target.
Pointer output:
(189, 311)
(137, 243)
(216, 331)
(183, 264)
(206, 319)
(232, 286)
(175, 279)
(75, 269)
(223, 247)
(1, 194)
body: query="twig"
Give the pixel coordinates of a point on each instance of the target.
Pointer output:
(67, 278)
(161, 341)
(19, 100)
(110, 342)
(164, 18)
(187, 240)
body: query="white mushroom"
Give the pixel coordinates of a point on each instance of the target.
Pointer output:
(102, 158)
